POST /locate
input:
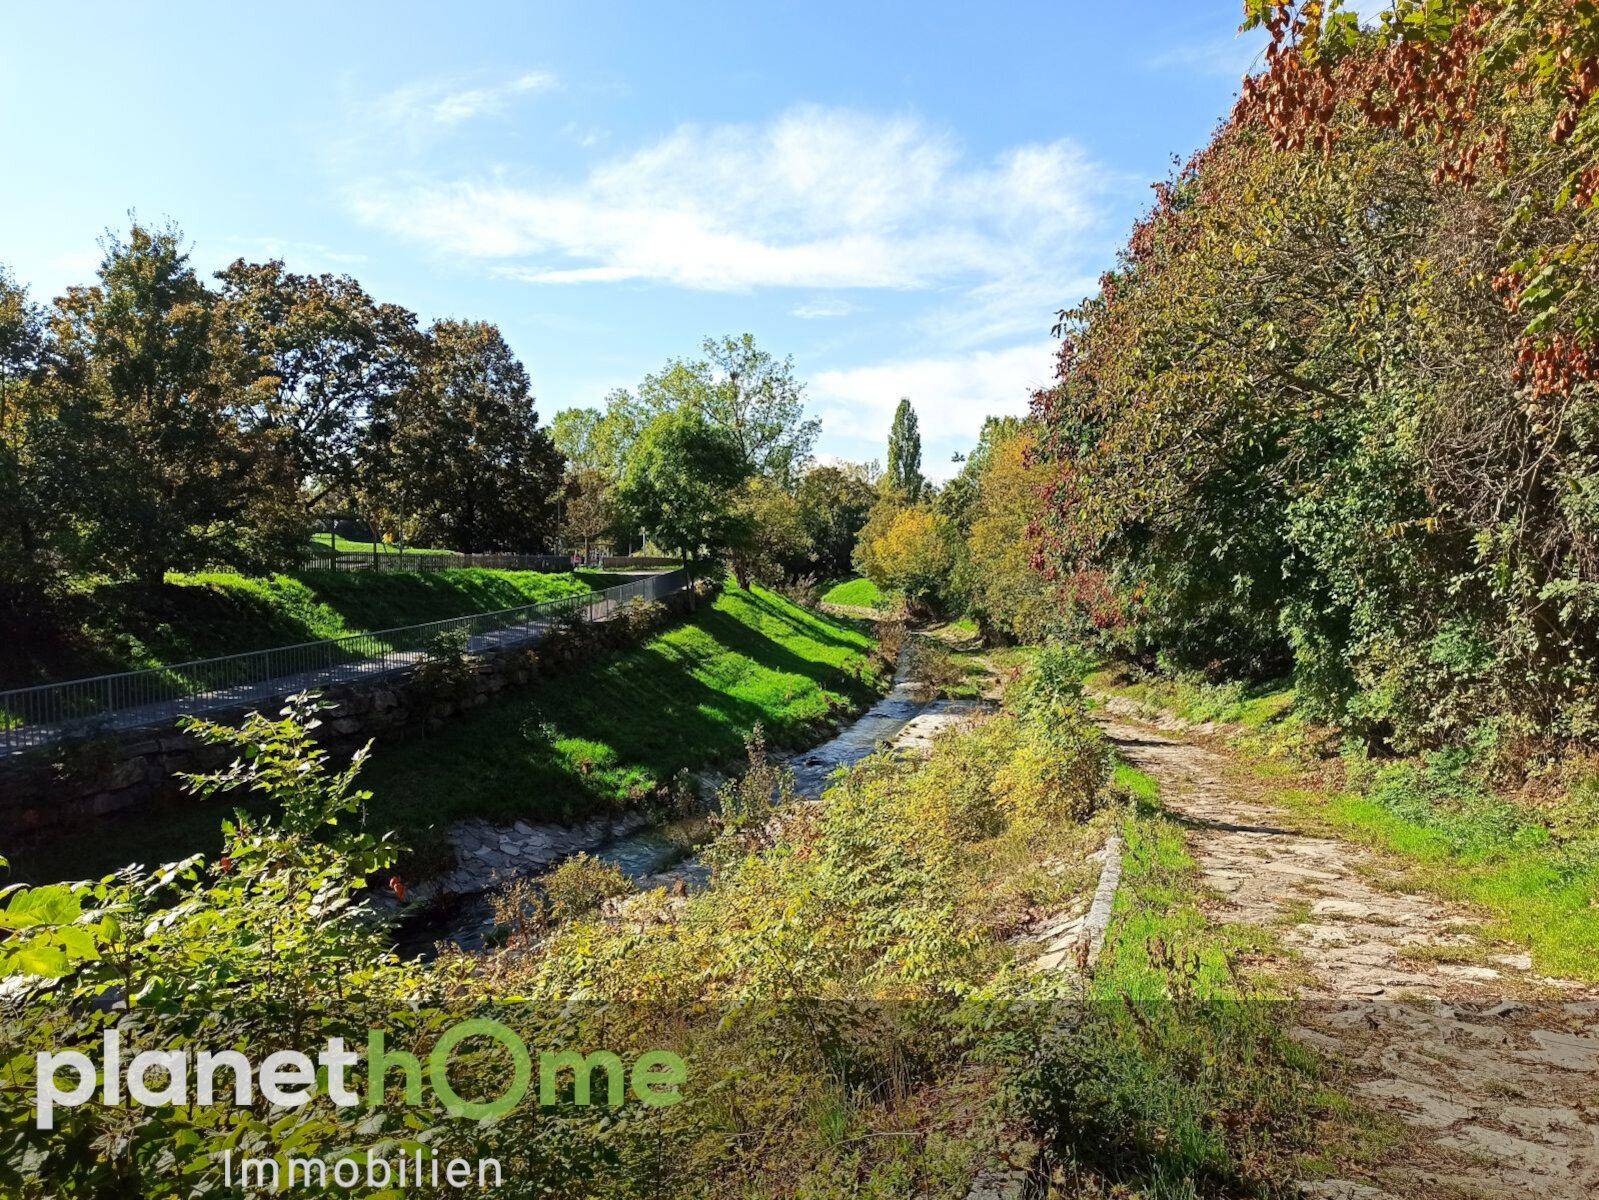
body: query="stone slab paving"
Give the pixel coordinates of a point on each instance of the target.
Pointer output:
(1493, 1068)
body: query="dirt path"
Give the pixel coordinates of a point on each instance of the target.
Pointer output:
(1494, 1070)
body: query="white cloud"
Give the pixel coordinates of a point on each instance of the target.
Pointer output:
(822, 307)
(1232, 56)
(952, 395)
(446, 103)
(816, 198)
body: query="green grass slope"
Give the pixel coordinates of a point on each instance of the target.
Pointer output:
(120, 627)
(857, 593)
(347, 546)
(685, 698)
(566, 746)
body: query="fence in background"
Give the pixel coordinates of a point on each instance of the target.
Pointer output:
(623, 562)
(54, 712)
(391, 561)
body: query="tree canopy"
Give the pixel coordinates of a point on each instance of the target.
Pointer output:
(680, 482)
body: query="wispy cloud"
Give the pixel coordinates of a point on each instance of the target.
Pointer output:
(816, 198)
(1232, 56)
(822, 307)
(952, 395)
(444, 103)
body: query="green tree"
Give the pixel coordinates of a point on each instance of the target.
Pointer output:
(575, 434)
(904, 473)
(680, 483)
(769, 535)
(1004, 592)
(142, 352)
(323, 354)
(590, 513)
(746, 392)
(35, 442)
(908, 549)
(833, 505)
(618, 429)
(958, 498)
(461, 447)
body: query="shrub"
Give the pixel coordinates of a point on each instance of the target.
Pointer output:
(446, 668)
(890, 643)
(581, 884)
(746, 802)
(640, 617)
(805, 590)
(934, 666)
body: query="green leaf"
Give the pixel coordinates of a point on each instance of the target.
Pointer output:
(38, 958)
(54, 905)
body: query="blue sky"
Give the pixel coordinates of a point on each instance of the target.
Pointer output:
(898, 195)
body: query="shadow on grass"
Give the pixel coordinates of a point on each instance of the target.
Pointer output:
(568, 745)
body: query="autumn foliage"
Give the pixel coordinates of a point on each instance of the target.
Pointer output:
(1334, 411)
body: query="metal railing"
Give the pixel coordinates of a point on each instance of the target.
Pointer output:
(354, 560)
(54, 712)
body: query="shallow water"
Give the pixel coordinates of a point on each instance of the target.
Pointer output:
(664, 853)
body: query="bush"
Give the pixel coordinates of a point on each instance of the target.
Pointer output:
(446, 669)
(581, 884)
(935, 667)
(640, 617)
(805, 590)
(746, 802)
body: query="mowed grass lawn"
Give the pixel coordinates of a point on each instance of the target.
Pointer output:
(344, 545)
(857, 593)
(120, 627)
(568, 745)
(606, 735)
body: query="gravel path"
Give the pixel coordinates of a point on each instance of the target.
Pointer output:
(1494, 1069)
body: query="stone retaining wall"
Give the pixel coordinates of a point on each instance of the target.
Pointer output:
(66, 785)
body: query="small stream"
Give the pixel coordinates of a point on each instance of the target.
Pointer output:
(456, 908)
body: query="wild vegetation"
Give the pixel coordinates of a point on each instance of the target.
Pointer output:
(843, 988)
(1330, 414)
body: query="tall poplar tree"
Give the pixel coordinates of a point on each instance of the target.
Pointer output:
(905, 453)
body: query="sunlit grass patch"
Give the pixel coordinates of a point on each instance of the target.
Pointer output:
(857, 593)
(113, 627)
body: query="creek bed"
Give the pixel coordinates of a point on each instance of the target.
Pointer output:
(649, 854)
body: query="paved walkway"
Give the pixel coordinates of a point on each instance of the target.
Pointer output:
(1493, 1068)
(258, 692)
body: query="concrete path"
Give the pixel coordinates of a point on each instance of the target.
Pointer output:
(1493, 1069)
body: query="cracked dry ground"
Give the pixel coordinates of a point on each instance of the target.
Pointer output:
(1493, 1069)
